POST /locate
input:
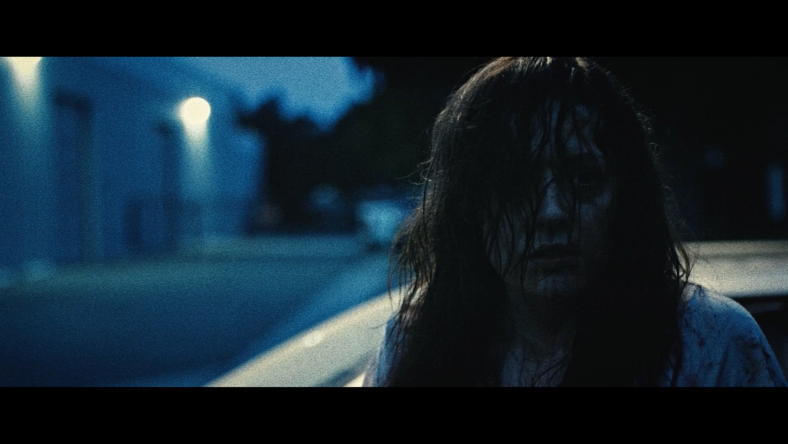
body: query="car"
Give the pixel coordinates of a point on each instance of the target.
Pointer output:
(379, 221)
(337, 352)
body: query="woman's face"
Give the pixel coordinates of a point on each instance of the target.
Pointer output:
(570, 243)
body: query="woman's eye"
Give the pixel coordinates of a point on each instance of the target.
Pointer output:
(589, 177)
(585, 176)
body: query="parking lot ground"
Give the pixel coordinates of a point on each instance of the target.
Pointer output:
(173, 319)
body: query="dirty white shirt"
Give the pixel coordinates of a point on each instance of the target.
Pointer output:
(722, 347)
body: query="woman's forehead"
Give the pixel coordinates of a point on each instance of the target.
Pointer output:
(575, 137)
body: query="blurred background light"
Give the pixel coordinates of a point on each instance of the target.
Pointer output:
(25, 68)
(195, 111)
(314, 338)
(26, 73)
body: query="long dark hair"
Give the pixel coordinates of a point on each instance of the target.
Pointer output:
(451, 326)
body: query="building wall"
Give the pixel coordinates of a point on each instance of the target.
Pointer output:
(97, 164)
(26, 166)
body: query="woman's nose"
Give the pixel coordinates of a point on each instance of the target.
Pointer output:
(553, 209)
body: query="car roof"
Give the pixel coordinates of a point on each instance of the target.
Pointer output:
(741, 269)
(331, 354)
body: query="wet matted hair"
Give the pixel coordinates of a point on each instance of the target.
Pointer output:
(480, 183)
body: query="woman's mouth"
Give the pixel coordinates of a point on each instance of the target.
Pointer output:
(555, 252)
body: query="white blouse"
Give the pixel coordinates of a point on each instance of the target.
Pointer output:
(723, 345)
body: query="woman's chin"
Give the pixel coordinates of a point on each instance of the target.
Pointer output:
(558, 286)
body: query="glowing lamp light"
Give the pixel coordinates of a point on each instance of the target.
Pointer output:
(195, 111)
(25, 71)
(24, 66)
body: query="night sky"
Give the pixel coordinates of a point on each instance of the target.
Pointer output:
(322, 88)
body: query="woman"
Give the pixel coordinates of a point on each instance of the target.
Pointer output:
(543, 253)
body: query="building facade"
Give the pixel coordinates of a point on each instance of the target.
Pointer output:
(104, 158)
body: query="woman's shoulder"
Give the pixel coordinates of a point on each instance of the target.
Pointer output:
(722, 343)
(705, 311)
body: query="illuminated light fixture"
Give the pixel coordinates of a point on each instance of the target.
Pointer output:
(25, 71)
(24, 67)
(195, 111)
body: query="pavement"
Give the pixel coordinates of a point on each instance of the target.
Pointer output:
(180, 320)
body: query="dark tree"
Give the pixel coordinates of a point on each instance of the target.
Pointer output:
(382, 141)
(376, 143)
(719, 123)
(291, 169)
